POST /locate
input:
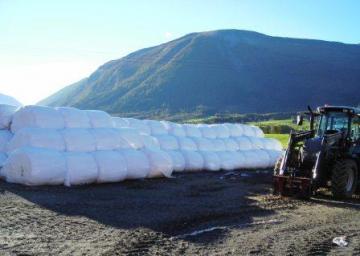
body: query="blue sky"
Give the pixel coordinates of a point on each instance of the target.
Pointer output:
(46, 45)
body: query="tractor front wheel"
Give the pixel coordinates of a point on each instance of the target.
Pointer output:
(344, 178)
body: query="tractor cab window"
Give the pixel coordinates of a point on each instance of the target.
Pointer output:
(355, 128)
(333, 122)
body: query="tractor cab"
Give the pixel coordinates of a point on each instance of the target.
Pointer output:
(328, 153)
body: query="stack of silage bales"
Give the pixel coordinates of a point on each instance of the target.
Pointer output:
(8, 107)
(70, 146)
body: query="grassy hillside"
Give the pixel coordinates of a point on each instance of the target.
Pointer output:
(220, 72)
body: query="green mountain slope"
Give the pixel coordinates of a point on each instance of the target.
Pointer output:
(222, 71)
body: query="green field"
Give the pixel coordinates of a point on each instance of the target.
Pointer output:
(283, 138)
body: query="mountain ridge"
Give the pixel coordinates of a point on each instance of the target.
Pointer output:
(221, 71)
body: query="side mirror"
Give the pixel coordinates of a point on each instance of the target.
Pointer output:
(299, 120)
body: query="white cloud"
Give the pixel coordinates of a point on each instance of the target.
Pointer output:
(168, 35)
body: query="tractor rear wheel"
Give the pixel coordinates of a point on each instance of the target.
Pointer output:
(344, 178)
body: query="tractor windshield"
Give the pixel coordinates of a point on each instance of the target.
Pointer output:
(332, 122)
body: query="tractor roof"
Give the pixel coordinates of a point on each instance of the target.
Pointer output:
(346, 109)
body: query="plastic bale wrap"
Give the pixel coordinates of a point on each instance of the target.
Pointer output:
(244, 143)
(167, 142)
(138, 166)
(160, 163)
(3, 157)
(264, 158)
(139, 125)
(274, 144)
(219, 145)
(6, 115)
(99, 119)
(178, 160)
(157, 128)
(240, 161)
(192, 131)
(37, 117)
(177, 130)
(81, 168)
(193, 160)
(79, 140)
(248, 131)
(207, 131)
(74, 118)
(227, 160)
(5, 138)
(258, 132)
(37, 137)
(257, 143)
(222, 131)
(111, 165)
(119, 122)
(131, 136)
(35, 166)
(231, 144)
(150, 142)
(211, 160)
(108, 139)
(234, 130)
(204, 144)
(186, 143)
(274, 155)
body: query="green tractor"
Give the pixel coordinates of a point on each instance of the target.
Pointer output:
(327, 155)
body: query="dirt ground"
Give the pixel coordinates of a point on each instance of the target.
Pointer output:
(225, 213)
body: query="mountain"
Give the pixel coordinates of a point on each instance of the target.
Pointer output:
(224, 71)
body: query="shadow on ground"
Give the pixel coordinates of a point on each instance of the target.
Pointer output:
(173, 207)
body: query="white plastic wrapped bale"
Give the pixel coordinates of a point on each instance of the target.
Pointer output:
(274, 155)
(258, 132)
(177, 130)
(193, 160)
(132, 137)
(219, 145)
(37, 117)
(99, 119)
(257, 143)
(178, 160)
(211, 161)
(119, 122)
(108, 139)
(6, 115)
(192, 131)
(248, 130)
(139, 125)
(186, 143)
(240, 161)
(231, 144)
(203, 144)
(79, 140)
(3, 158)
(37, 137)
(74, 118)
(8, 100)
(256, 159)
(222, 131)
(160, 163)
(150, 142)
(81, 168)
(227, 160)
(138, 166)
(35, 166)
(235, 130)
(111, 165)
(167, 142)
(244, 143)
(207, 131)
(5, 137)
(157, 128)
